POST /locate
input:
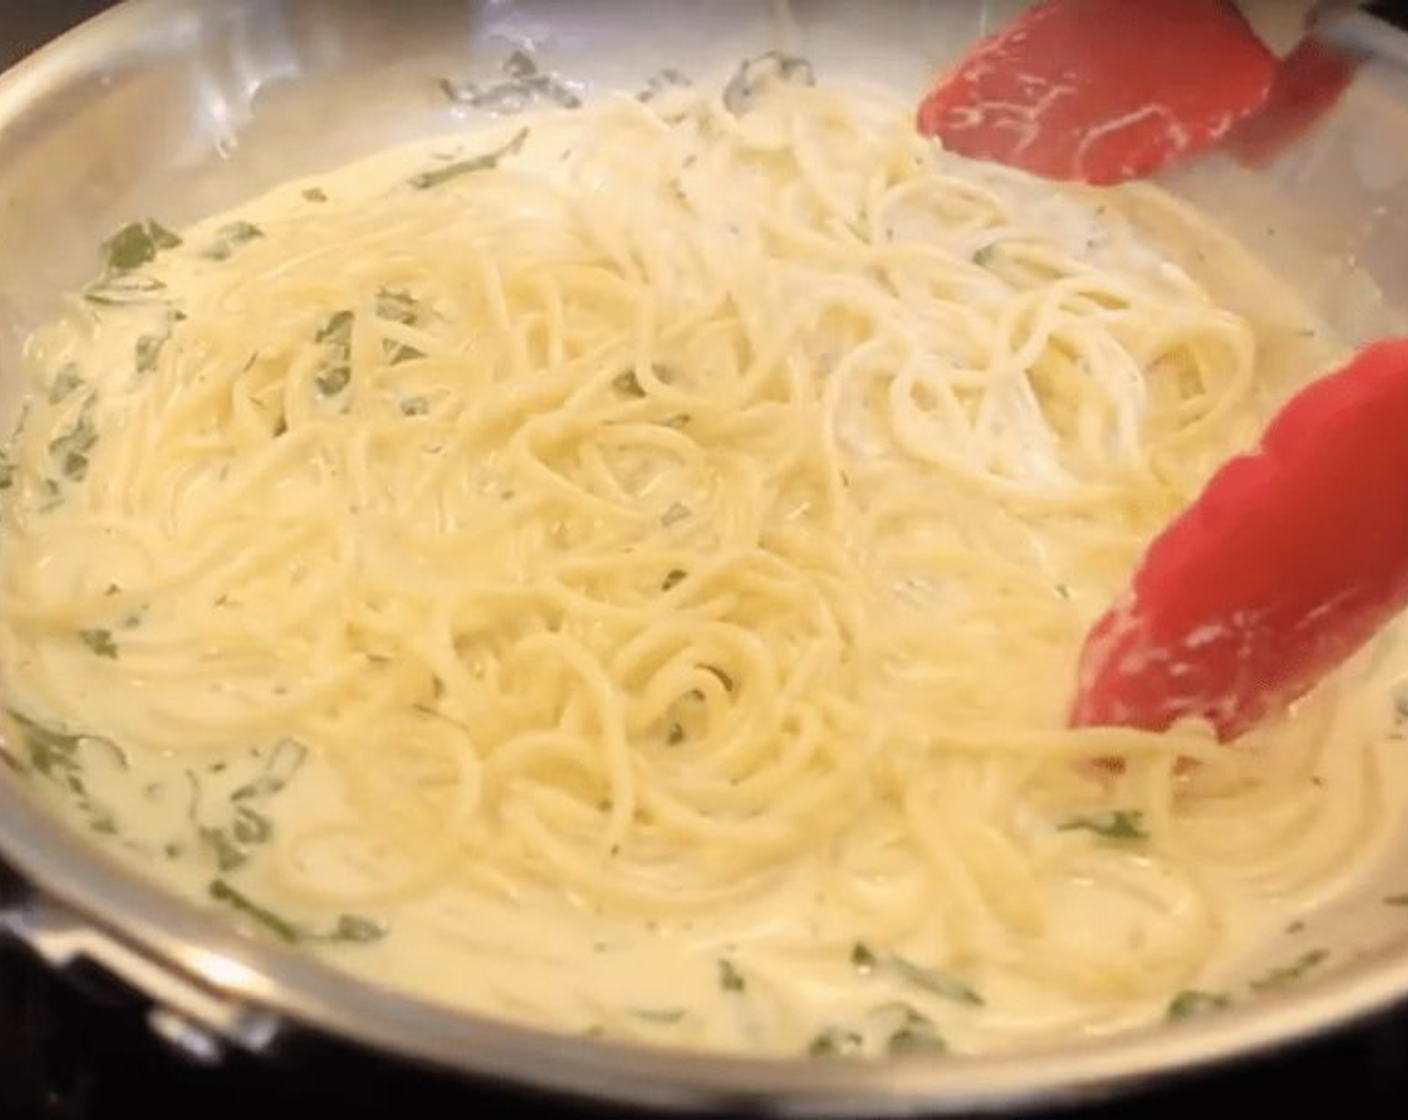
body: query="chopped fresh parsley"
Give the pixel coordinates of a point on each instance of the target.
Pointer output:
(240, 232)
(939, 983)
(658, 1014)
(1192, 1002)
(486, 162)
(228, 854)
(525, 83)
(1287, 973)
(672, 579)
(250, 827)
(984, 256)
(148, 351)
(1118, 824)
(415, 406)
(834, 1042)
(356, 929)
(756, 75)
(398, 352)
(398, 307)
(65, 382)
(867, 962)
(137, 243)
(627, 384)
(70, 450)
(336, 334)
(231, 237)
(351, 928)
(221, 891)
(52, 754)
(657, 84)
(283, 763)
(916, 1034)
(246, 827)
(99, 641)
(730, 979)
(315, 194)
(337, 331)
(676, 513)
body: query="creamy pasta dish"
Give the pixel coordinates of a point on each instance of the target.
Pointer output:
(623, 569)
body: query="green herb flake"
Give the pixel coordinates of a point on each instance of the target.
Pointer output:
(398, 352)
(65, 382)
(162, 237)
(939, 983)
(334, 380)
(658, 1014)
(398, 307)
(240, 232)
(52, 753)
(836, 1043)
(627, 384)
(283, 764)
(137, 243)
(984, 256)
(100, 642)
(916, 1035)
(756, 75)
(1191, 1002)
(355, 929)
(232, 236)
(676, 513)
(415, 406)
(336, 333)
(486, 162)
(148, 351)
(730, 979)
(1288, 973)
(250, 827)
(221, 891)
(315, 194)
(7, 471)
(337, 330)
(228, 854)
(863, 958)
(71, 449)
(1119, 824)
(672, 579)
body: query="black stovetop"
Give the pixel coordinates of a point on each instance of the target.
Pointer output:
(68, 1051)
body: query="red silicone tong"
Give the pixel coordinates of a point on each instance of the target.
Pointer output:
(1295, 554)
(1102, 91)
(1290, 559)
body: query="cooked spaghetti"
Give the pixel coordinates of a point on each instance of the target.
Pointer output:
(624, 570)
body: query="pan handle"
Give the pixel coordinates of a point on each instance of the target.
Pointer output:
(197, 1022)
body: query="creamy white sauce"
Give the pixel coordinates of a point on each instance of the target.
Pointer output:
(1007, 925)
